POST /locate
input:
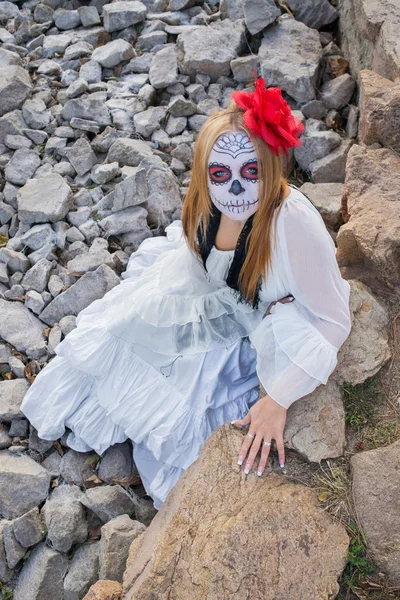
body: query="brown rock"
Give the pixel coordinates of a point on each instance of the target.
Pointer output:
(379, 110)
(220, 531)
(376, 487)
(366, 349)
(104, 590)
(369, 242)
(315, 424)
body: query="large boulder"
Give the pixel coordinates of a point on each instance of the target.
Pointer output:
(380, 110)
(376, 492)
(301, 46)
(219, 531)
(209, 50)
(15, 86)
(369, 242)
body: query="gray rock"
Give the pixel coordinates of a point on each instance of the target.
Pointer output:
(231, 9)
(116, 538)
(182, 4)
(67, 324)
(210, 49)
(20, 328)
(49, 67)
(90, 71)
(11, 123)
(55, 44)
(12, 393)
(89, 287)
(52, 464)
(104, 173)
(42, 575)
(5, 572)
(38, 276)
(19, 428)
(8, 10)
(90, 230)
(297, 75)
(125, 221)
(77, 88)
(259, 14)
(181, 107)
(14, 550)
(243, 68)
(47, 199)
(337, 92)
(54, 339)
(148, 41)
(89, 15)
(35, 113)
(38, 236)
(15, 86)
(109, 501)
(91, 260)
(163, 193)
(76, 467)
(14, 261)
(113, 53)
(15, 142)
(316, 145)
(131, 191)
(327, 198)
(196, 122)
(120, 15)
(56, 284)
(116, 463)
(22, 166)
(149, 120)
(87, 108)
(29, 528)
(83, 571)
(66, 19)
(17, 367)
(331, 168)
(128, 152)
(34, 301)
(3, 273)
(24, 484)
(65, 518)
(5, 442)
(81, 156)
(313, 13)
(8, 58)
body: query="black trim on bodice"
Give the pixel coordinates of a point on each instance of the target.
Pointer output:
(205, 246)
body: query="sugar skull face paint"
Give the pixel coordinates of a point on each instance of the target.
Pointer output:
(233, 175)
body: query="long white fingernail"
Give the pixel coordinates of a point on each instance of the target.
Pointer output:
(281, 466)
(232, 422)
(240, 462)
(259, 473)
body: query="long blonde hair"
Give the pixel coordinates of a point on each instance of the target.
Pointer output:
(197, 204)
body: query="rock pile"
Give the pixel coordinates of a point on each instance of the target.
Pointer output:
(100, 106)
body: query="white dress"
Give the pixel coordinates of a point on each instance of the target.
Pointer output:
(168, 355)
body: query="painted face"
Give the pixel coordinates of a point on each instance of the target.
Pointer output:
(233, 175)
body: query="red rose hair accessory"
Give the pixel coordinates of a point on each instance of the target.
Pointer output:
(268, 115)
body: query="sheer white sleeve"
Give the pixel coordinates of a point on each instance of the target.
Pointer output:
(297, 343)
(152, 247)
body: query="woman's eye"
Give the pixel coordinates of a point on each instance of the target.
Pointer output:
(219, 174)
(250, 171)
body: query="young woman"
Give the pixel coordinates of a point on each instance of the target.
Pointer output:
(245, 288)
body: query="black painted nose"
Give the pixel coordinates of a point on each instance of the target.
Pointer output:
(236, 187)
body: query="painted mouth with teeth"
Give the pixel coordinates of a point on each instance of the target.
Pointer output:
(236, 208)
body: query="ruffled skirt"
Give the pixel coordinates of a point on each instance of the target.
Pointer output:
(106, 385)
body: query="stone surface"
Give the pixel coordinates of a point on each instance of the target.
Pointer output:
(209, 50)
(327, 197)
(15, 86)
(366, 349)
(113, 53)
(164, 68)
(109, 501)
(368, 242)
(24, 484)
(11, 395)
(104, 590)
(20, 328)
(376, 490)
(42, 575)
(65, 518)
(259, 14)
(122, 14)
(44, 200)
(90, 287)
(83, 571)
(302, 49)
(239, 516)
(116, 538)
(379, 110)
(313, 14)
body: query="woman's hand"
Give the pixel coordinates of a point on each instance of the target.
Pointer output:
(283, 300)
(267, 421)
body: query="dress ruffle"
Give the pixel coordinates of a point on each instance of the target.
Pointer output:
(107, 393)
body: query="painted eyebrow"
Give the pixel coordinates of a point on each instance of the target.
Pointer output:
(217, 164)
(250, 161)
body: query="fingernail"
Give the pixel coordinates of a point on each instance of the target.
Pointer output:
(232, 422)
(240, 462)
(247, 469)
(281, 466)
(259, 473)
(291, 298)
